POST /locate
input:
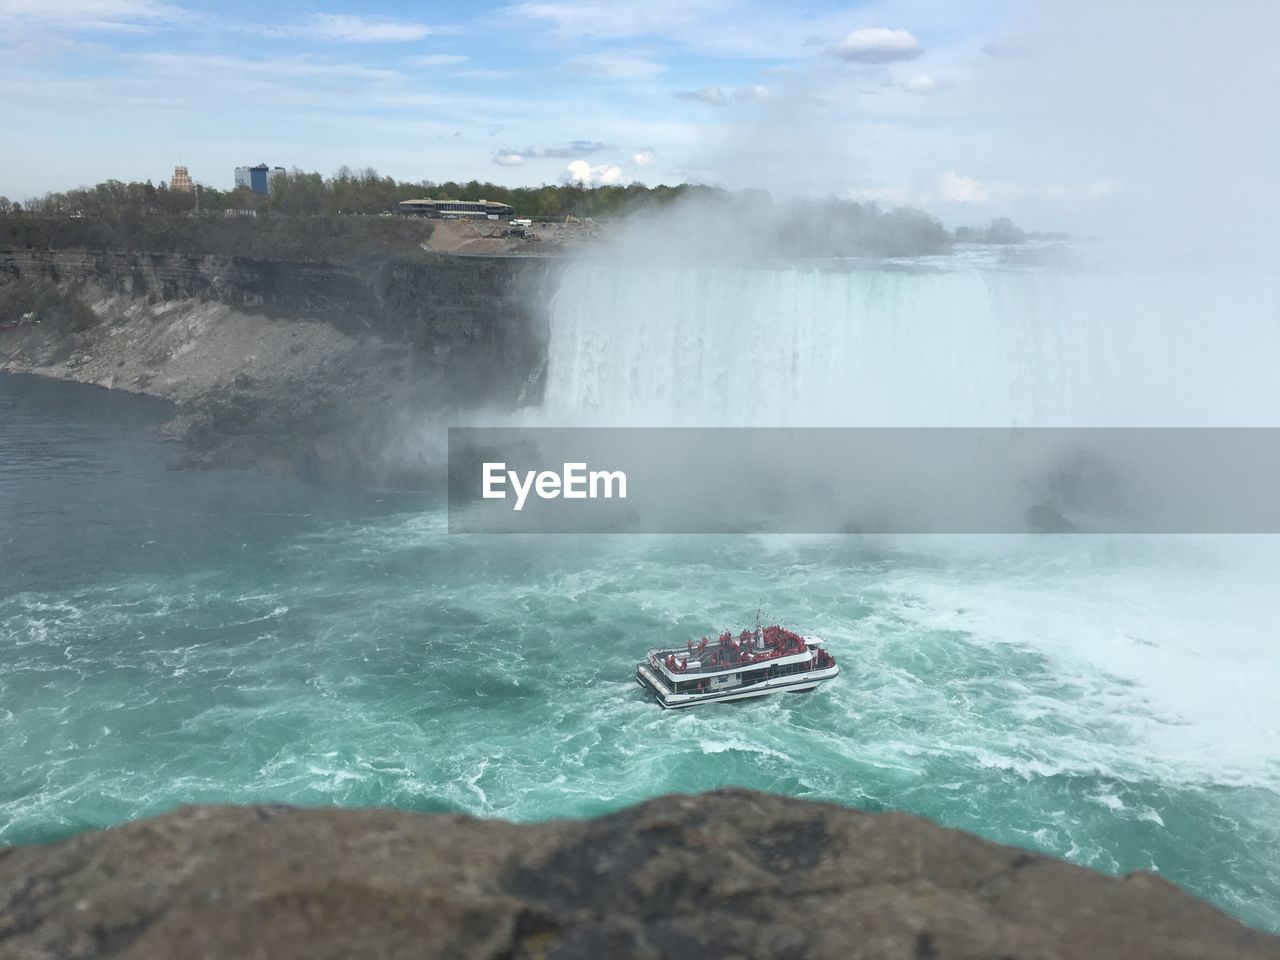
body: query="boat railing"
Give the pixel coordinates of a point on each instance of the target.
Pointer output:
(698, 660)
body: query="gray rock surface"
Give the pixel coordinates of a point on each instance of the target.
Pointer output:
(725, 874)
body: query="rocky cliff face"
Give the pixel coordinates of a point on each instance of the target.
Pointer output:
(727, 874)
(303, 365)
(481, 313)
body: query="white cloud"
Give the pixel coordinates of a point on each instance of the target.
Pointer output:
(92, 14)
(644, 157)
(617, 68)
(712, 95)
(508, 159)
(877, 45)
(961, 189)
(579, 171)
(610, 20)
(246, 69)
(436, 60)
(485, 74)
(575, 148)
(733, 28)
(354, 29)
(717, 97)
(1007, 48)
(922, 84)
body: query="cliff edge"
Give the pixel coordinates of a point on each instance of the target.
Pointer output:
(307, 367)
(726, 874)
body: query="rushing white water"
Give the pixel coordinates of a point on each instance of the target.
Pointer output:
(657, 343)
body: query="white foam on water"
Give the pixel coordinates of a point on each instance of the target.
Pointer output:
(1174, 645)
(725, 745)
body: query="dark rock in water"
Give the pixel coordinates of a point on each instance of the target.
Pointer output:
(726, 874)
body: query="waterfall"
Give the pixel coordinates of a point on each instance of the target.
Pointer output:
(647, 343)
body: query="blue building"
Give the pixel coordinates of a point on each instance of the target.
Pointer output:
(257, 179)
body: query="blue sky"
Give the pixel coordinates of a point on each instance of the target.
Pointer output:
(901, 101)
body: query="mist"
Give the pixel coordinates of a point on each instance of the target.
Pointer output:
(1150, 129)
(752, 225)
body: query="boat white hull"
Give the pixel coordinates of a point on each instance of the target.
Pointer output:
(789, 684)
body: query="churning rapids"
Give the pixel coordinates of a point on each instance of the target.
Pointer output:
(232, 637)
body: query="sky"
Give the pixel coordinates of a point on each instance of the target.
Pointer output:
(968, 109)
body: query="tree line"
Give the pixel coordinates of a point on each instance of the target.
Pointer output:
(299, 193)
(144, 216)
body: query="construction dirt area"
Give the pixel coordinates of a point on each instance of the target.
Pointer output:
(502, 238)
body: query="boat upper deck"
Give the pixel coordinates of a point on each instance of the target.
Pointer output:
(727, 653)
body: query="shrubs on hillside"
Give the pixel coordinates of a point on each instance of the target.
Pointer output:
(322, 239)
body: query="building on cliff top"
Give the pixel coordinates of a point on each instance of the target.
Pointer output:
(456, 208)
(181, 181)
(257, 179)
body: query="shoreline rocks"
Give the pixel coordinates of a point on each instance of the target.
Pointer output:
(731, 873)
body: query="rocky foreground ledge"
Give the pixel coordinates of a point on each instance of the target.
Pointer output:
(725, 874)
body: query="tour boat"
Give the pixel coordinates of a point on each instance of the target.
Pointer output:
(753, 664)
